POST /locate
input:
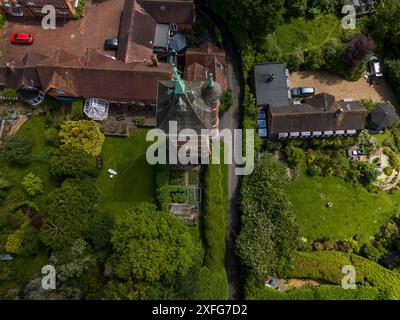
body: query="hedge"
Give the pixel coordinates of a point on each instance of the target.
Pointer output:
(327, 265)
(214, 226)
(323, 292)
(211, 285)
(392, 68)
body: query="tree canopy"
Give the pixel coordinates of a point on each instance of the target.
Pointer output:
(67, 161)
(149, 244)
(269, 232)
(82, 134)
(67, 217)
(16, 149)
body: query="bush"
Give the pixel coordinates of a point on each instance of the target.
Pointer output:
(294, 155)
(393, 159)
(51, 137)
(77, 109)
(32, 184)
(388, 170)
(8, 93)
(314, 171)
(392, 68)
(16, 150)
(139, 120)
(70, 162)
(370, 252)
(226, 101)
(82, 134)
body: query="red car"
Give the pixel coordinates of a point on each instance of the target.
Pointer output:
(21, 38)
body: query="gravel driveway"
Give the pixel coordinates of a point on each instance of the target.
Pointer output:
(333, 84)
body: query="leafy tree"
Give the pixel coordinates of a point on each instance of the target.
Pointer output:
(99, 233)
(16, 149)
(252, 19)
(357, 50)
(32, 184)
(269, 232)
(149, 244)
(295, 8)
(294, 155)
(368, 171)
(73, 261)
(124, 290)
(71, 162)
(82, 134)
(385, 28)
(67, 217)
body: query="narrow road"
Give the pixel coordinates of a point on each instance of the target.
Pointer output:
(231, 120)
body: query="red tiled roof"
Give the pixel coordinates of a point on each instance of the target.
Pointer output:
(136, 33)
(211, 58)
(170, 11)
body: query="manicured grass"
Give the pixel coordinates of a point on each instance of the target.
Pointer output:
(306, 34)
(135, 180)
(354, 211)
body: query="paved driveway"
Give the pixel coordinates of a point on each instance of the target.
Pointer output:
(101, 21)
(333, 84)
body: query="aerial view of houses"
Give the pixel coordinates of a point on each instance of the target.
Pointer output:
(115, 179)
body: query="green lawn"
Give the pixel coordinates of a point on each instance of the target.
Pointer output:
(135, 180)
(306, 34)
(354, 211)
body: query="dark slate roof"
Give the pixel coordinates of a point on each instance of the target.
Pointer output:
(194, 115)
(383, 116)
(275, 92)
(319, 113)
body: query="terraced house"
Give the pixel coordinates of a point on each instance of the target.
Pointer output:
(71, 61)
(32, 8)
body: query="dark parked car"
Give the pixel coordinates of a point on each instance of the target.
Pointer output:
(302, 92)
(111, 44)
(375, 70)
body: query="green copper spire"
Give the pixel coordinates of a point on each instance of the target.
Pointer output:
(179, 83)
(210, 83)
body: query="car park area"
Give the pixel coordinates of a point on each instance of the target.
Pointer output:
(333, 84)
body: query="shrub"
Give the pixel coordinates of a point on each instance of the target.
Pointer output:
(32, 184)
(70, 162)
(392, 68)
(139, 120)
(370, 252)
(77, 110)
(16, 149)
(51, 137)
(82, 134)
(393, 159)
(8, 93)
(388, 170)
(294, 155)
(124, 129)
(226, 101)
